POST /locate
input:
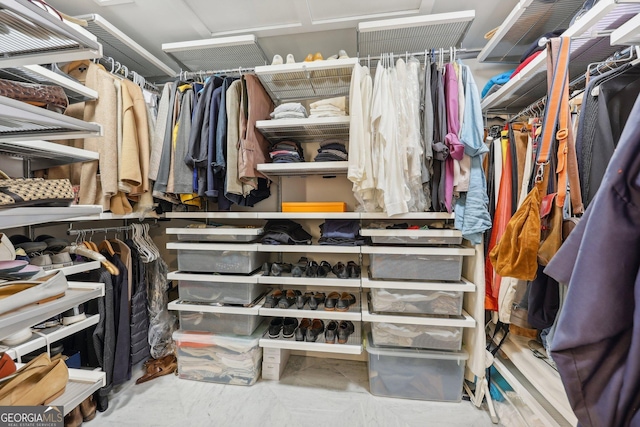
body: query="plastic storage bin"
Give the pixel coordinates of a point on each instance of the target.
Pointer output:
(218, 292)
(219, 323)
(412, 237)
(417, 336)
(415, 267)
(416, 374)
(220, 261)
(226, 359)
(416, 301)
(224, 233)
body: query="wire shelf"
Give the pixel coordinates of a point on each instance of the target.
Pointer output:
(305, 130)
(44, 154)
(303, 169)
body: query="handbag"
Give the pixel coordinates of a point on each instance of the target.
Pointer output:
(47, 96)
(516, 254)
(17, 192)
(551, 218)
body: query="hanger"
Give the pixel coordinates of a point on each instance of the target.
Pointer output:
(94, 255)
(105, 245)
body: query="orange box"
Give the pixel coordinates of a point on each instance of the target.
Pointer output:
(314, 207)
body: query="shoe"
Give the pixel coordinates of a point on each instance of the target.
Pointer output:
(309, 58)
(63, 259)
(275, 326)
(18, 338)
(342, 54)
(7, 251)
(316, 328)
(290, 59)
(73, 315)
(154, 369)
(301, 331)
(277, 60)
(318, 57)
(26, 244)
(300, 267)
(43, 261)
(289, 298)
(36, 386)
(266, 269)
(339, 270)
(19, 293)
(353, 270)
(277, 269)
(331, 332)
(7, 366)
(345, 329)
(323, 269)
(331, 301)
(317, 299)
(54, 244)
(345, 301)
(273, 299)
(302, 299)
(74, 418)
(289, 326)
(312, 269)
(332, 57)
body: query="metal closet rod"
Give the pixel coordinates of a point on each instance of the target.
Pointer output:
(239, 70)
(123, 70)
(618, 59)
(76, 231)
(436, 52)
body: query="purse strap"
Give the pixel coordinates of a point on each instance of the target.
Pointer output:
(4, 175)
(556, 116)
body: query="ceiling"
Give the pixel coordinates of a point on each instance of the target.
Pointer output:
(282, 26)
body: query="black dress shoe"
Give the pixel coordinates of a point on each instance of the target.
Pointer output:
(266, 269)
(323, 269)
(331, 332)
(272, 299)
(338, 269)
(331, 301)
(345, 329)
(289, 298)
(277, 269)
(297, 271)
(317, 299)
(353, 270)
(301, 331)
(312, 269)
(289, 326)
(316, 328)
(345, 301)
(301, 300)
(275, 326)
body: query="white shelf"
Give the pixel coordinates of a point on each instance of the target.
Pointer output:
(211, 215)
(287, 280)
(44, 154)
(212, 308)
(305, 80)
(217, 231)
(249, 247)
(30, 315)
(305, 130)
(463, 286)
(410, 215)
(539, 374)
(309, 215)
(627, 34)
(109, 216)
(413, 34)
(353, 345)
(418, 250)
(19, 217)
(318, 249)
(79, 267)
(125, 50)
(528, 20)
(532, 397)
(352, 314)
(464, 321)
(588, 45)
(38, 341)
(36, 74)
(303, 168)
(32, 35)
(82, 384)
(25, 122)
(178, 275)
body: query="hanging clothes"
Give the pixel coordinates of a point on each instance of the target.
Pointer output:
(440, 149)
(456, 149)
(427, 133)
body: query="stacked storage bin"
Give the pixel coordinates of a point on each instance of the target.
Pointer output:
(415, 313)
(220, 326)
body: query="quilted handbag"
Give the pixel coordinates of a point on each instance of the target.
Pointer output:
(34, 192)
(51, 97)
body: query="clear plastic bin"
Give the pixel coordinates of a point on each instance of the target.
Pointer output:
(416, 301)
(226, 359)
(417, 336)
(416, 374)
(218, 292)
(415, 267)
(225, 234)
(215, 261)
(413, 237)
(219, 323)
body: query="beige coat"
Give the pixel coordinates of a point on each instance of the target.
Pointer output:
(135, 138)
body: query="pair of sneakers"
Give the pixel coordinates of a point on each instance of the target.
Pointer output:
(277, 59)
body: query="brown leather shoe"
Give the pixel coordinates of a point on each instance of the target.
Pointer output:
(164, 366)
(88, 409)
(37, 386)
(331, 301)
(73, 418)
